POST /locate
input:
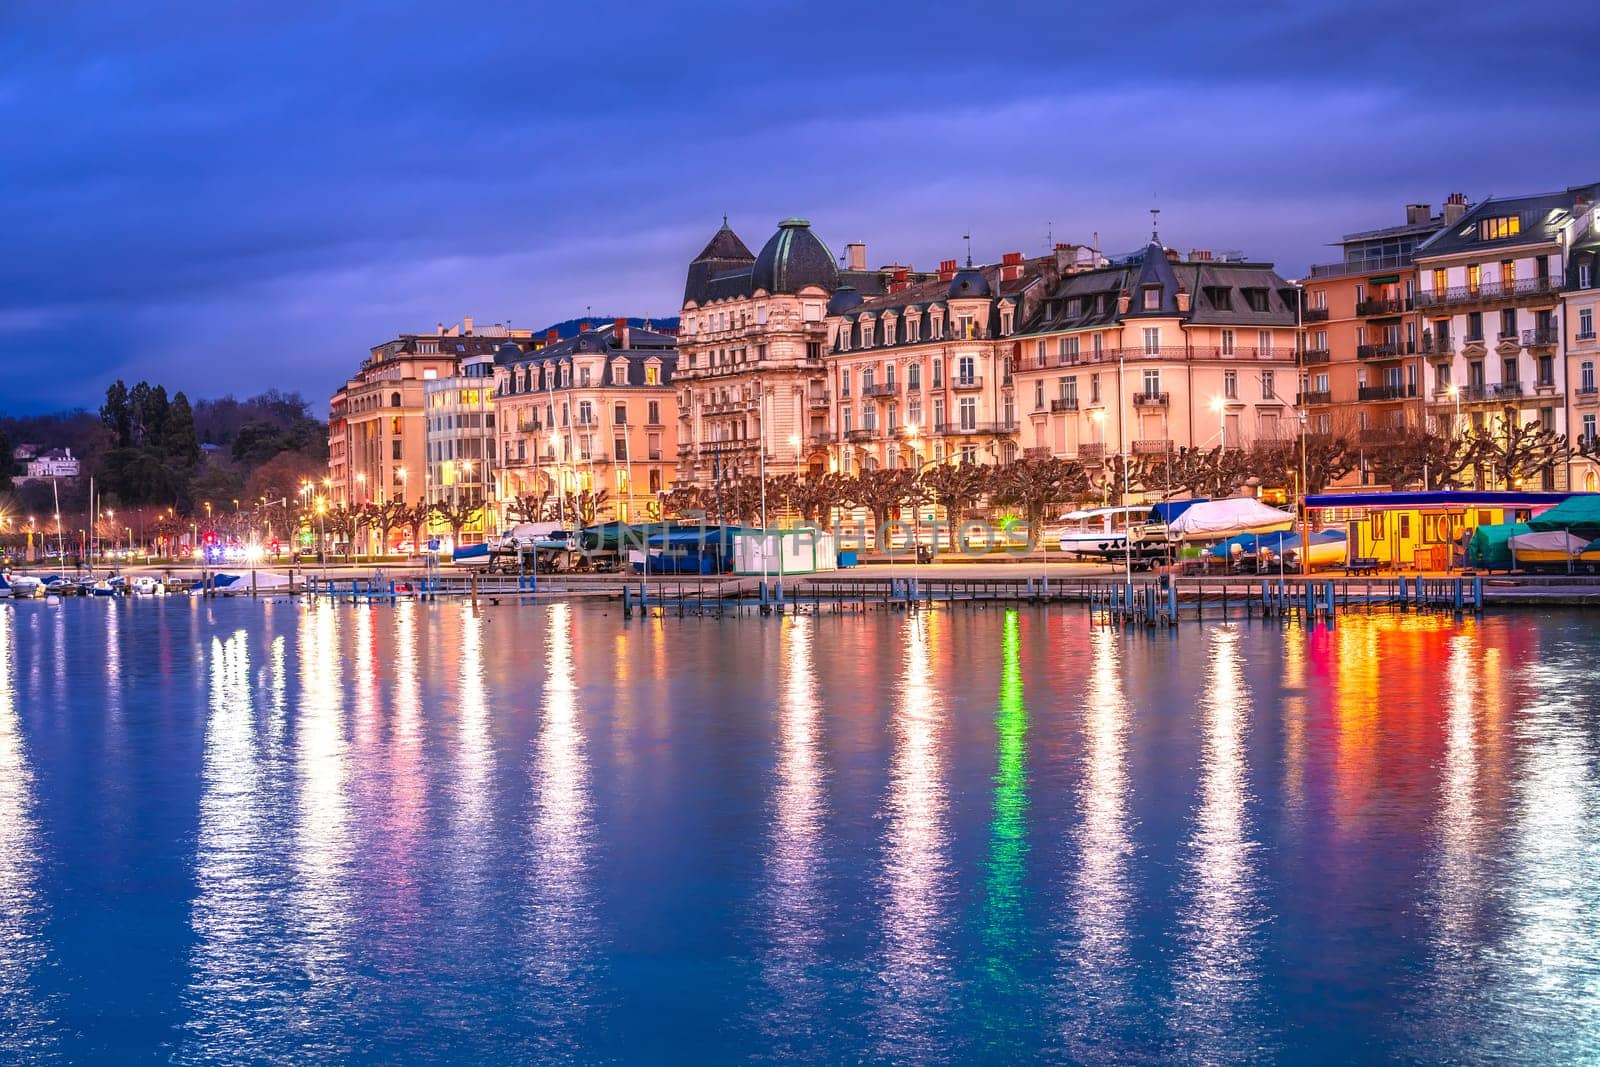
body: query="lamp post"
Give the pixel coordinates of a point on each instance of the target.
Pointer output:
(322, 535)
(1454, 393)
(1221, 408)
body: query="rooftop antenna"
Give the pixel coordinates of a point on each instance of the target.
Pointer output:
(1155, 225)
(967, 237)
(1049, 234)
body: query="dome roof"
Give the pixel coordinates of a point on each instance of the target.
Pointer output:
(843, 299)
(969, 283)
(793, 259)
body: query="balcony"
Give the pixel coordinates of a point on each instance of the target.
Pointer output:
(1151, 400)
(1533, 289)
(860, 435)
(1155, 446)
(1063, 403)
(1314, 315)
(1036, 452)
(1386, 392)
(1586, 398)
(1541, 337)
(974, 429)
(1437, 347)
(823, 440)
(1312, 356)
(1092, 450)
(1511, 336)
(1380, 307)
(1302, 400)
(1506, 391)
(881, 389)
(966, 385)
(1375, 265)
(655, 454)
(819, 401)
(1385, 350)
(1584, 335)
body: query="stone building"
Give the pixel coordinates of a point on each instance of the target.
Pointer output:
(595, 411)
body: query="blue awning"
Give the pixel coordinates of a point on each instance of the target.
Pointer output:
(1168, 510)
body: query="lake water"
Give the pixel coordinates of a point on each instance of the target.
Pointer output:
(242, 831)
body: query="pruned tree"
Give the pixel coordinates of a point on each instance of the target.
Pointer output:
(956, 487)
(1107, 482)
(815, 496)
(1035, 484)
(1413, 455)
(415, 520)
(585, 506)
(683, 501)
(882, 492)
(385, 517)
(342, 522)
(1515, 452)
(531, 507)
(457, 516)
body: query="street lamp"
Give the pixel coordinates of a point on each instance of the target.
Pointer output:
(1455, 394)
(322, 535)
(1220, 407)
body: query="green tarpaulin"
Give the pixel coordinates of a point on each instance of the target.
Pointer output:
(1578, 514)
(1489, 545)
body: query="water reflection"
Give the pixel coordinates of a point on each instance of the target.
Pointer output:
(26, 1030)
(232, 981)
(1218, 969)
(793, 893)
(915, 972)
(562, 930)
(1459, 889)
(1096, 967)
(1551, 959)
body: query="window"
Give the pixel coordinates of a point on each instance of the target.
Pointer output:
(1268, 386)
(619, 415)
(1586, 376)
(1319, 340)
(913, 330)
(1152, 383)
(844, 336)
(619, 448)
(938, 371)
(844, 382)
(1227, 342)
(1152, 340)
(1322, 382)
(966, 368)
(1319, 299)
(914, 376)
(1508, 370)
(1474, 325)
(1038, 351)
(394, 449)
(1264, 343)
(1099, 347)
(1508, 274)
(1094, 388)
(848, 414)
(869, 378)
(585, 413)
(1068, 349)
(761, 314)
(1547, 372)
(1230, 384)
(914, 411)
(938, 411)
(1069, 390)
(652, 376)
(1152, 298)
(1586, 324)
(1508, 323)
(1474, 277)
(1499, 228)
(1439, 276)
(1585, 276)
(969, 413)
(394, 400)
(888, 373)
(866, 335)
(1038, 396)
(1589, 427)
(652, 413)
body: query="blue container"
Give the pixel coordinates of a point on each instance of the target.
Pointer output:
(847, 559)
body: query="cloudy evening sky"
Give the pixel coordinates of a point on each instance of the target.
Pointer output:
(226, 197)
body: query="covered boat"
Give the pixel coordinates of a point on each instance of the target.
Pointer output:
(1328, 548)
(1546, 549)
(1216, 520)
(1489, 547)
(1579, 515)
(470, 555)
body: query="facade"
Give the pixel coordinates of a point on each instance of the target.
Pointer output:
(54, 463)
(752, 377)
(1579, 316)
(460, 449)
(1365, 362)
(1154, 352)
(378, 427)
(591, 412)
(1489, 289)
(924, 372)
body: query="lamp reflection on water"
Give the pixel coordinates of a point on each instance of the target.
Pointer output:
(915, 969)
(1218, 966)
(561, 927)
(793, 894)
(1096, 967)
(26, 1029)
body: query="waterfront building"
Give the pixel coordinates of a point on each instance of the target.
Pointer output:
(377, 425)
(1154, 351)
(460, 448)
(924, 371)
(1364, 367)
(1489, 287)
(1580, 301)
(54, 463)
(752, 379)
(596, 411)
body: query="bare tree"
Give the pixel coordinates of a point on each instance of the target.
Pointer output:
(1035, 484)
(457, 516)
(815, 496)
(956, 487)
(882, 492)
(1516, 452)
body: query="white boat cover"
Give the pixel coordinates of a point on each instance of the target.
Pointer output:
(1215, 519)
(1548, 541)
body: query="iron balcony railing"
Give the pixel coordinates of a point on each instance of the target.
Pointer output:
(956, 429)
(880, 389)
(1315, 315)
(1312, 356)
(1386, 350)
(966, 384)
(1316, 397)
(1364, 266)
(1092, 450)
(1438, 346)
(1382, 306)
(1387, 392)
(1541, 336)
(864, 434)
(819, 400)
(1151, 400)
(1507, 390)
(824, 439)
(1153, 446)
(1488, 291)
(1064, 403)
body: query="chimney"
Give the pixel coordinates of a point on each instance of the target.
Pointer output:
(1183, 300)
(619, 329)
(1455, 206)
(900, 280)
(1200, 255)
(466, 325)
(1123, 301)
(947, 270)
(552, 334)
(583, 327)
(439, 329)
(1418, 214)
(858, 255)
(1010, 266)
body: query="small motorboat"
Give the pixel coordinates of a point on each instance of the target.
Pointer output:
(23, 585)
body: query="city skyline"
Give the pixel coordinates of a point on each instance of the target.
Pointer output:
(239, 201)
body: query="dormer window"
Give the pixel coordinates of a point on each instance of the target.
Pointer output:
(866, 335)
(1221, 297)
(652, 374)
(619, 372)
(1500, 228)
(1257, 299)
(888, 331)
(1152, 298)
(1005, 320)
(844, 336)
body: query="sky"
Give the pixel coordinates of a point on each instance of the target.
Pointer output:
(231, 197)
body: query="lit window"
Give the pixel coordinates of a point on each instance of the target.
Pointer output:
(1152, 298)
